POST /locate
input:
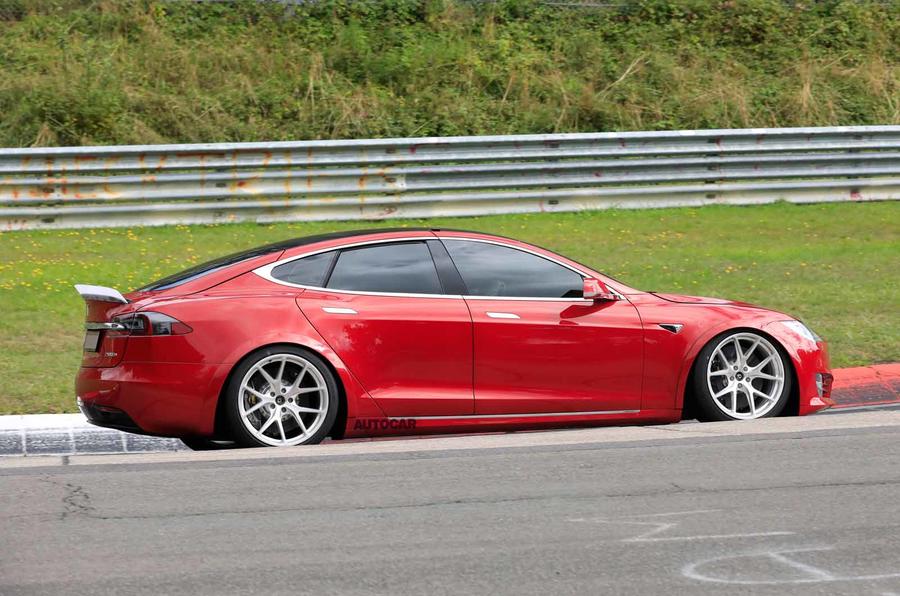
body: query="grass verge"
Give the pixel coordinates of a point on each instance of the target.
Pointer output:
(834, 266)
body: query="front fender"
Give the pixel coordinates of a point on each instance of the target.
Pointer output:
(669, 356)
(808, 358)
(704, 338)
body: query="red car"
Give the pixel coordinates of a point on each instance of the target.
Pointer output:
(421, 331)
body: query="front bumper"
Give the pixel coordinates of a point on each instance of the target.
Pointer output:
(814, 379)
(811, 365)
(164, 399)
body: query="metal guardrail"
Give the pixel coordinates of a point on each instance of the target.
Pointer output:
(424, 177)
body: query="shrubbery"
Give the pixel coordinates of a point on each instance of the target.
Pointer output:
(121, 71)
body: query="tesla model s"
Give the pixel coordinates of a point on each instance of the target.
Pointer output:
(423, 331)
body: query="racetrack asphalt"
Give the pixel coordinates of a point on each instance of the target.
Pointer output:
(786, 505)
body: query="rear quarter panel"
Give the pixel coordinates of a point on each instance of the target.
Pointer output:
(229, 322)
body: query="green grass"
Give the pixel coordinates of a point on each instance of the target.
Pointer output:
(139, 71)
(834, 265)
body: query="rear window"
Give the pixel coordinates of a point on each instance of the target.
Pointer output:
(405, 268)
(308, 271)
(208, 267)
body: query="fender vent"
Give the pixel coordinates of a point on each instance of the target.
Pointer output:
(673, 327)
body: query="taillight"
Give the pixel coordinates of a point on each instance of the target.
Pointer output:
(150, 323)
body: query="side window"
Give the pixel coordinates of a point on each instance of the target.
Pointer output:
(404, 268)
(492, 270)
(308, 271)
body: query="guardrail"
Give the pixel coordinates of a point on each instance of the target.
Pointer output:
(424, 177)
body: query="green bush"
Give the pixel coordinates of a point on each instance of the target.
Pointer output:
(130, 71)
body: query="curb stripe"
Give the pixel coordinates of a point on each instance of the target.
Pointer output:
(878, 384)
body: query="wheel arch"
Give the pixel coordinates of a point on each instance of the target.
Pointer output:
(220, 424)
(686, 385)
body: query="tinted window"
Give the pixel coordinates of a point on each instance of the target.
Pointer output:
(308, 271)
(492, 270)
(403, 268)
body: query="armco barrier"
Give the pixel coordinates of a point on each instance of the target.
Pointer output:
(424, 177)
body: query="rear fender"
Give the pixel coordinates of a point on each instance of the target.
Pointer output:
(358, 402)
(227, 327)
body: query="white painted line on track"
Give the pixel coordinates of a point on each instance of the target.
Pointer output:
(43, 421)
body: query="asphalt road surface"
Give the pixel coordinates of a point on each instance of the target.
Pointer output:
(800, 506)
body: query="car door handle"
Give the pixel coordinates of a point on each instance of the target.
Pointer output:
(335, 310)
(503, 315)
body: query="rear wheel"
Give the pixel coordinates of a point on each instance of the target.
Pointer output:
(741, 375)
(281, 396)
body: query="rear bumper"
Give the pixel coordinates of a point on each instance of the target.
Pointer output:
(165, 399)
(108, 417)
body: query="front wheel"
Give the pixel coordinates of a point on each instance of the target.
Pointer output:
(281, 396)
(741, 375)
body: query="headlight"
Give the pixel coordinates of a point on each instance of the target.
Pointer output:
(801, 330)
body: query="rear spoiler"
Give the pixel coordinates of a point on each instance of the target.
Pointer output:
(100, 293)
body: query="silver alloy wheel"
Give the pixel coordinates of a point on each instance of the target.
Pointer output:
(745, 376)
(283, 400)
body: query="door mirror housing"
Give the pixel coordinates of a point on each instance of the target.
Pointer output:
(594, 289)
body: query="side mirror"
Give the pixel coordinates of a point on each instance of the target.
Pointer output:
(594, 289)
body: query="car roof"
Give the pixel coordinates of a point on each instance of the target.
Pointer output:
(283, 246)
(316, 238)
(346, 234)
(267, 249)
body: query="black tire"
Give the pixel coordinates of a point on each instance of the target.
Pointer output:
(232, 395)
(707, 408)
(206, 444)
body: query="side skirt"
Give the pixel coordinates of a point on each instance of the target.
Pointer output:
(418, 425)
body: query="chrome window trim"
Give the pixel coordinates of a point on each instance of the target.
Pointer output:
(528, 415)
(266, 271)
(529, 299)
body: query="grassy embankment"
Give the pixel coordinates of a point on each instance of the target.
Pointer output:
(832, 265)
(140, 71)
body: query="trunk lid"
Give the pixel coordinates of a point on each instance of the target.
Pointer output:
(104, 339)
